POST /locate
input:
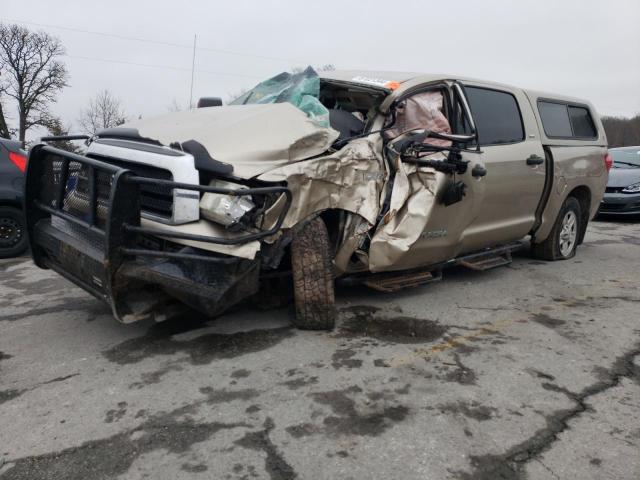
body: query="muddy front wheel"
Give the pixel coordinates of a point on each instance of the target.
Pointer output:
(313, 284)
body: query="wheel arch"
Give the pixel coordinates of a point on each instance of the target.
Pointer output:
(582, 193)
(332, 218)
(341, 226)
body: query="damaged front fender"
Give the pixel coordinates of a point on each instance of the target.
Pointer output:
(350, 179)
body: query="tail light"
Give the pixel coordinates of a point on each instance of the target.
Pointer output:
(608, 161)
(18, 160)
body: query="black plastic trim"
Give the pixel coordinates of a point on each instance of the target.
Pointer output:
(125, 133)
(204, 161)
(136, 145)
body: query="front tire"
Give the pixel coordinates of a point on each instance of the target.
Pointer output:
(313, 284)
(13, 238)
(562, 242)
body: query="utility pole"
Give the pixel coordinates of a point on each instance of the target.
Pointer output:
(193, 66)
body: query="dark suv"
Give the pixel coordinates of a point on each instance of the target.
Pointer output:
(13, 162)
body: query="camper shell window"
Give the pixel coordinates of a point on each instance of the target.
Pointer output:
(566, 121)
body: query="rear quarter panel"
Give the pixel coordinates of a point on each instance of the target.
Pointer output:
(576, 164)
(574, 167)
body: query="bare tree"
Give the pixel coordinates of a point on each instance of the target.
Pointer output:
(327, 67)
(56, 127)
(34, 74)
(174, 106)
(4, 128)
(233, 96)
(103, 111)
(622, 131)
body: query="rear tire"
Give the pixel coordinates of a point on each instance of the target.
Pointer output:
(313, 284)
(13, 238)
(562, 242)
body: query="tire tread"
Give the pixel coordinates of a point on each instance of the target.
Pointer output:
(313, 283)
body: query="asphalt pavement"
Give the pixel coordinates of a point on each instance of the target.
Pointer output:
(530, 371)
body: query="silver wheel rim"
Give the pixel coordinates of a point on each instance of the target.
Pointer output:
(568, 233)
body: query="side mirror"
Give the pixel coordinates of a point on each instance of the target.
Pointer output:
(209, 102)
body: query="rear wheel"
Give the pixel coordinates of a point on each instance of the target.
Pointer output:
(313, 284)
(13, 240)
(562, 242)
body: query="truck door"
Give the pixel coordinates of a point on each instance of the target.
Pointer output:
(421, 227)
(513, 156)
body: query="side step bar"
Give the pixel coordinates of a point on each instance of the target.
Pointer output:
(486, 261)
(394, 282)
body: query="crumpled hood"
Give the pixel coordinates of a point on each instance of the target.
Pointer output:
(623, 177)
(252, 138)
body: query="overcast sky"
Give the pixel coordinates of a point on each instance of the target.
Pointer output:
(584, 48)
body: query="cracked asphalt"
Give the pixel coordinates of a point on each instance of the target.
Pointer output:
(531, 371)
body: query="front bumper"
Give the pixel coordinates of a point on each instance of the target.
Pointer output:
(620, 204)
(99, 244)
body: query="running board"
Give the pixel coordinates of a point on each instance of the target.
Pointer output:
(487, 260)
(394, 281)
(388, 283)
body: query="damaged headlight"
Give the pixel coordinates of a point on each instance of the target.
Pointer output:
(634, 188)
(227, 210)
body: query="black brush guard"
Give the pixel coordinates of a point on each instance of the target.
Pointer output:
(100, 247)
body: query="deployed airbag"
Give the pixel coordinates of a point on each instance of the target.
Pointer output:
(421, 111)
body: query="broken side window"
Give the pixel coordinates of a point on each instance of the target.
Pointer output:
(300, 89)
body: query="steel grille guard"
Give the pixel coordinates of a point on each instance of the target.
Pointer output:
(123, 213)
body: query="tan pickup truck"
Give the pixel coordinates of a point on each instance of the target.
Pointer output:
(379, 178)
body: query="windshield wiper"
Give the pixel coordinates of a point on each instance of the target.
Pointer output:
(626, 163)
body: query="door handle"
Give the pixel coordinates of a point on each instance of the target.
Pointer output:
(478, 171)
(535, 160)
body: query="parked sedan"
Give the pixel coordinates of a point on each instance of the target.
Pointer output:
(622, 196)
(13, 162)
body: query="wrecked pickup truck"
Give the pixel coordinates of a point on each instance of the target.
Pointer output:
(377, 178)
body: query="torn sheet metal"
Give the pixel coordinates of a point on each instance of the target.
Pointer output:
(350, 179)
(203, 227)
(415, 188)
(354, 234)
(413, 199)
(252, 138)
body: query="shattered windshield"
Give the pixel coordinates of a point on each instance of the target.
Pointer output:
(300, 89)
